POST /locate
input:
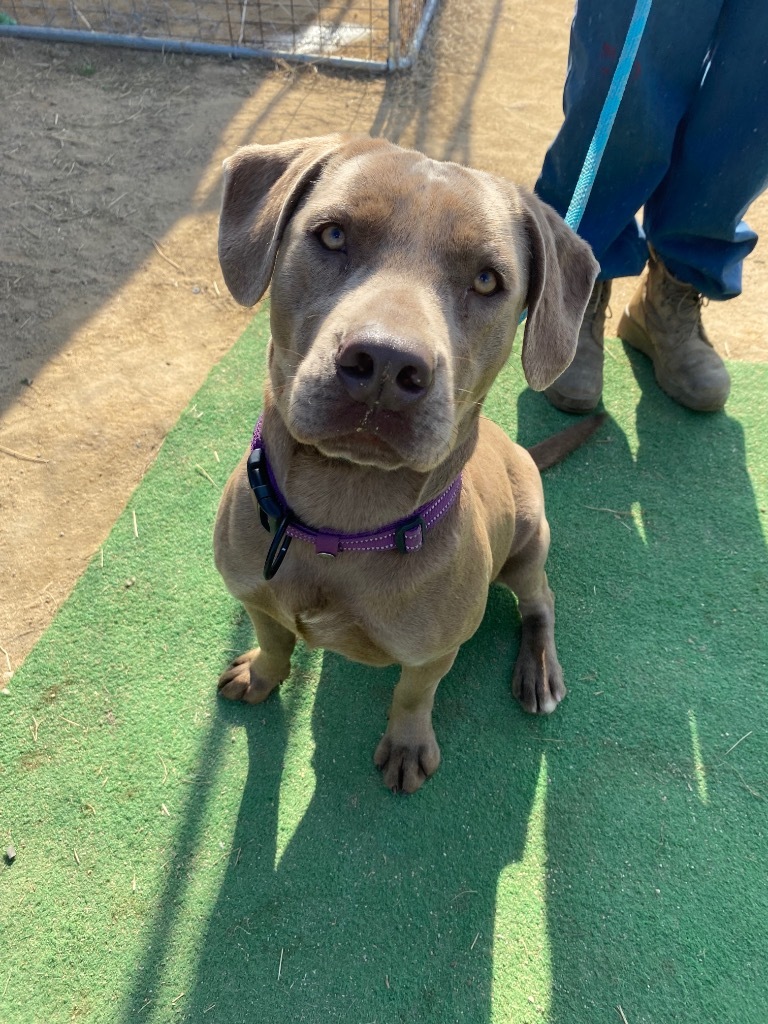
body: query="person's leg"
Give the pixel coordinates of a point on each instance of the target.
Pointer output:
(665, 78)
(720, 160)
(694, 218)
(666, 75)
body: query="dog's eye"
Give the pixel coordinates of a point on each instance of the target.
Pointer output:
(333, 237)
(486, 283)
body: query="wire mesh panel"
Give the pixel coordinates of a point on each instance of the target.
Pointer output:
(375, 33)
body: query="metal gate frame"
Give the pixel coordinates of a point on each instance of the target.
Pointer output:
(398, 59)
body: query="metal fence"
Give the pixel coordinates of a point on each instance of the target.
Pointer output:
(376, 35)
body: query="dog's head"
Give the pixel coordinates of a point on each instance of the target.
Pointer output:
(397, 286)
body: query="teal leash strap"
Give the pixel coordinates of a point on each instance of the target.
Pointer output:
(607, 117)
(608, 114)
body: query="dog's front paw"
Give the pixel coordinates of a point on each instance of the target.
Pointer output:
(250, 678)
(406, 766)
(537, 681)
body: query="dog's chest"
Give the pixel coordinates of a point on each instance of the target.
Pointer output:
(338, 629)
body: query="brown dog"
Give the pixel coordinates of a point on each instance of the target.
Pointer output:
(397, 286)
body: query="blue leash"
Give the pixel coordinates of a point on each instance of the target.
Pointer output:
(599, 141)
(608, 114)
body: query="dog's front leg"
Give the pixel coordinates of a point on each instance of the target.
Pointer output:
(537, 680)
(408, 752)
(255, 674)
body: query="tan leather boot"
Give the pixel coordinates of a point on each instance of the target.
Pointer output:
(579, 388)
(663, 321)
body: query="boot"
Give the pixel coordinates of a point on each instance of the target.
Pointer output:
(663, 321)
(579, 388)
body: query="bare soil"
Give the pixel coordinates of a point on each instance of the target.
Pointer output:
(112, 306)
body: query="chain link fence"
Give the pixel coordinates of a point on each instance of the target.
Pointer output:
(376, 35)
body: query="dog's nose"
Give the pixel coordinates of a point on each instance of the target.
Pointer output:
(393, 374)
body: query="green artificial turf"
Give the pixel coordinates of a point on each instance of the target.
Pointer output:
(181, 858)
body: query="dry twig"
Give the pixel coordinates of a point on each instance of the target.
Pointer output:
(7, 661)
(207, 476)
(20, 455)
(736, 744)
(167, 259)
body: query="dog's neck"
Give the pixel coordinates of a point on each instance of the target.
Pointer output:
(343, 496)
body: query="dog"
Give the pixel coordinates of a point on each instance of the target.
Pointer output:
(377, 504)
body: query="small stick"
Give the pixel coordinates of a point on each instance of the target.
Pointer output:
(8, 659)
(7, 982)
(163, 255)
(20, 455)
(82, 17)
(242, 24)
(133, 883)
(152, 239)
(178, 997)
(135, 525)
(474, 941)
(624, 1019)
(70, 722)
(615, 511)
(744, 784)
(165, 768)
(76, 857)
(465, 892)
(737, 743)
(207, 476)
(164, 810)
(280, 965)
(34, 727)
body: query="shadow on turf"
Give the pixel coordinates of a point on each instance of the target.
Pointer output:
(655, 889)
(383, 908)
(371, 912)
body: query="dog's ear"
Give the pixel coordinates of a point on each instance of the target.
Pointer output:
(562, 272)
(262, 186)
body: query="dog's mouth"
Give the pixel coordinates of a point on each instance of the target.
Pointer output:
(371, 452)
(369, 437)
(376, 439)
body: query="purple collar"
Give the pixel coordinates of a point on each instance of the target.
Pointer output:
(405, 535)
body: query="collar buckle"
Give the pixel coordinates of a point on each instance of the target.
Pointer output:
(410, 536)
(258, 478)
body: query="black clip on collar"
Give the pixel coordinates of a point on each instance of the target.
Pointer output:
(273, 518)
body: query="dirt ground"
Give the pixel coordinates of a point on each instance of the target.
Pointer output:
(112, 306)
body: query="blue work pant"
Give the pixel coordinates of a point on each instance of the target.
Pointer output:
(690, 142)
